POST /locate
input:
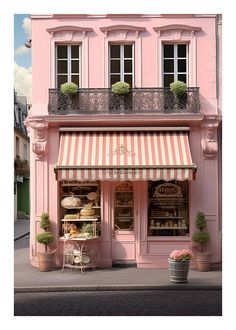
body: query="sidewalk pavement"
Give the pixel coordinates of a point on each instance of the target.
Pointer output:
(30, 279)
(21, 228)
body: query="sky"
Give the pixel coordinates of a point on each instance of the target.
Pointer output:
(22, 56)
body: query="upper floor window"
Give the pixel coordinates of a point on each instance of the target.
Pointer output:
(122, 63)
(16, 116)
(67, 64)
(17, 146)
(175, 63)
(25, 151)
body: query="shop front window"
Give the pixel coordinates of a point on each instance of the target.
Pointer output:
(168, 208)
(80, 209)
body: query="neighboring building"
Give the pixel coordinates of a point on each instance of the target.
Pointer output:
(153, 160)
(21, 157)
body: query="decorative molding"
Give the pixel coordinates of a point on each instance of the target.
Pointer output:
(180, 27)
(209, 144)
(39, 144)
(122, 27)
(69, 30)
(122, 30)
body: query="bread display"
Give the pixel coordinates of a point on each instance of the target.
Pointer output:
(71, 202)
(87, 212)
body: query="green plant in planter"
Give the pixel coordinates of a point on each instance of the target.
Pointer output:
(46, 237)
(201, 236)
(44, 222)
(120, 88)
(178, 87)
(87, 228)
(69, 88)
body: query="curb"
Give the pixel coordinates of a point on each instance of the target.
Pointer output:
(117, 287)
(21, 236)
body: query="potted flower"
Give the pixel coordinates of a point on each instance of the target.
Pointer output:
(46, 258)
(179, 262)
(179, 89)
(121, 98)
(202, 238)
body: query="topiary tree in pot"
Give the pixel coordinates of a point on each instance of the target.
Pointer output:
(120, 88)
(179, 89)
(45, 259)
(69, 90)
(202, 238)
(121, 98)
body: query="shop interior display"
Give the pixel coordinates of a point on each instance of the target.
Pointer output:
(123, 210)
(80, 209)
(168, 209)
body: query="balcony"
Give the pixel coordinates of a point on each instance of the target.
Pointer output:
(138, 101)
(21, 166)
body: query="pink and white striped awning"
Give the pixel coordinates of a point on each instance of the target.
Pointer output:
(125, 156)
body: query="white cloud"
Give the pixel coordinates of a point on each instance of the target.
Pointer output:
(27, 26)
(23, 81)
(22, 50)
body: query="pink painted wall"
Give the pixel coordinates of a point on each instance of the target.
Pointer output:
(204, 70)
(204, 192)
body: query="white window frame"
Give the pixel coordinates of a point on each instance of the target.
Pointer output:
(178, 33)
(122, 58)
(176, 58)
(69, 59)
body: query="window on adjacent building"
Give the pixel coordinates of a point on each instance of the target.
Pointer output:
(67, 64)
(16, 116)
(175, 63)
(122, 64)
(17, 146)
(25, 152)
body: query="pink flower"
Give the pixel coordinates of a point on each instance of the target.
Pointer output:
(181, 255)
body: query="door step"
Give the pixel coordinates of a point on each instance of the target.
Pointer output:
(124, 264)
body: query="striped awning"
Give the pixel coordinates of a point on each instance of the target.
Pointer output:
(122, 155)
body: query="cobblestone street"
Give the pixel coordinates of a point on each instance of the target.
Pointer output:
(117, 303)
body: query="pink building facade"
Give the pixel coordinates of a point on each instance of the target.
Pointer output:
(153, 161)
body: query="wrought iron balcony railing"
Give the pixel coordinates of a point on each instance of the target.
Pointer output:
(138, 101)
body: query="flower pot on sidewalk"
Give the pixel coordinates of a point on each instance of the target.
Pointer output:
(46, 261)
(203, 257)
(203, 261)
(179, 271)
(179, 263)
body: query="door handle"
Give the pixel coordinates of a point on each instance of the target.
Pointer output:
(114, 234)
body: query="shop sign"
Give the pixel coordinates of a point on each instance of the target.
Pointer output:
(123, 171)
(167, 190)
(19, 178)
